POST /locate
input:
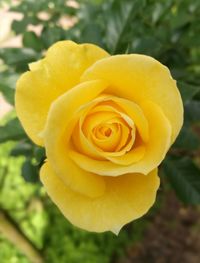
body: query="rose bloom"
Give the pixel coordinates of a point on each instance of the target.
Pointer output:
(106, 123)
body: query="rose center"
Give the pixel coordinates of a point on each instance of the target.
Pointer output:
(107, 132)
(103, 131)
(110, 131)
(106, 127)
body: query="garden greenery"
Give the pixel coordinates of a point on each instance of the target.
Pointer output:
(166, 30)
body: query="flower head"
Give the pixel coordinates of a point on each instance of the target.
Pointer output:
(106, 123)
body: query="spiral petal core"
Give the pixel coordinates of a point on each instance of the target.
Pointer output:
(106, 125)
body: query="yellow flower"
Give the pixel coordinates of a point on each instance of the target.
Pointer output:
(106, 123)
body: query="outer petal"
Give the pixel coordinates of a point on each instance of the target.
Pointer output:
(126, 198)
(156, 148)
(49, 78)
(60, 123)
(138, 78)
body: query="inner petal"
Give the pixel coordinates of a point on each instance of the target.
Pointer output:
(95, 119)
(109, 128)
(104, 131)
(155, 149)
(134, 112)
(108, 143)
(107, 132)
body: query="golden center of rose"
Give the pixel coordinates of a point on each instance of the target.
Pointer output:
(107, 128)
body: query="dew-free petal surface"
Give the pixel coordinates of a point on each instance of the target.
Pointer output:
(126, 198)
(50, 77)
(156, 148)
(137, 78)
(59, 126)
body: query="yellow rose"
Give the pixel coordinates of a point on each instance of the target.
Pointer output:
(106, 123)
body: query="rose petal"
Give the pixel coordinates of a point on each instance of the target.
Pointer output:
(136, 114)
(106, 104)
(49, 78)
(130, 157)
(126, 198)
(156, 148)
(138, 78)
(59, 126)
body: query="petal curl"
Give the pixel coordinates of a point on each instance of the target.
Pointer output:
(130, 112)
(138, 78)
(156, 148)
(127, 197)
(60, 123)
(50, 77)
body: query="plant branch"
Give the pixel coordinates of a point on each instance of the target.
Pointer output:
(14, 234)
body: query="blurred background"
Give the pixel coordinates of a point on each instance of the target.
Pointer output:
(31, 227)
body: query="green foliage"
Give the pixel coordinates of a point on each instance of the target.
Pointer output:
(7, 85)
(12, 130)
(192, 111)
(120, 18)
(30, 171)
(166, 30)
(8, 253)
(188, 91)
(19, 199)
(18, 58)
(36, 214)
(184, 176)
(81, 246)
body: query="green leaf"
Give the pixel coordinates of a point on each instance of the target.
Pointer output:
(19, 26)
(22, 148)
(184, 177)
(187, 91)
(51, 35)
(91, 33)
(18, 58)
(31, 40)
(12, 130)
(118, 23)
(181, 19)
(7, 92)
(146, 45)
(187, 139)
(192, 112)
(30, 172)
(39, 154)
(7, 85)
